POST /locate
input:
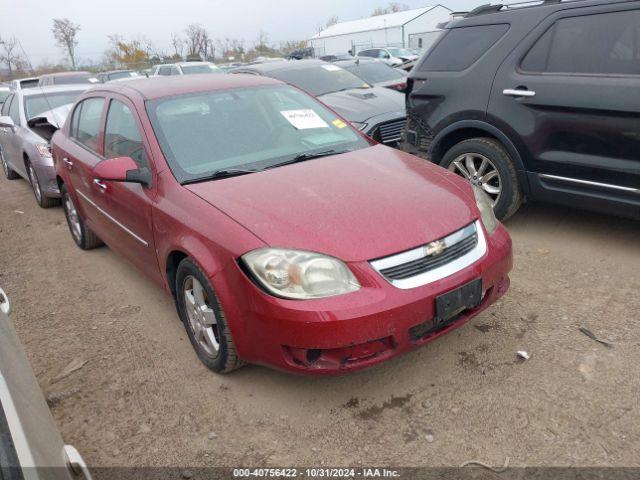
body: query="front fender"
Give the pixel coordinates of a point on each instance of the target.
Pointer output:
(493, 131)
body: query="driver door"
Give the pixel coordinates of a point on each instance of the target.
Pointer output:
(130, 204)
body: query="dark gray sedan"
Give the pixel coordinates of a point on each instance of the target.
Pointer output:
(378, 112)
(28, 119)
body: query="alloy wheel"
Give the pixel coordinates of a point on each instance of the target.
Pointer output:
(5, 167)
(481, 172)
(34, 183)
(202, 318)
(72, 216)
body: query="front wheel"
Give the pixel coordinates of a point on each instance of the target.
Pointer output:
(41, 198)
(486, 164)
(81, 234)
(204, 320)
(8, 172)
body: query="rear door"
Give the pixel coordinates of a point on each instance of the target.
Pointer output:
(130, 204)
(13, 137)
(570, 96)
(7, 134)
(82, 154)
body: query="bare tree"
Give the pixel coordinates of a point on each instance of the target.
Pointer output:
(198, 42)
(178, 44)
(331, 21)
(65, 33)
(9, 56)
(393, 7)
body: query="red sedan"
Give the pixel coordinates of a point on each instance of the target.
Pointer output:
(286, 237)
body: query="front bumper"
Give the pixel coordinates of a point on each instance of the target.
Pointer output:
(353, 331)
(47, 178)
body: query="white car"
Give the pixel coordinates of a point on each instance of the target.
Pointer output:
(185, 68)
(393, 56)
(30, 444)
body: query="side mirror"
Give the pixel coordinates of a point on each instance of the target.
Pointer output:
(7, 122)
(122, 169)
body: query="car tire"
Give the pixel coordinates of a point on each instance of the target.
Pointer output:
(500, 172)
(82, 235)
(42, 200)
(8, 172)
(207, 330)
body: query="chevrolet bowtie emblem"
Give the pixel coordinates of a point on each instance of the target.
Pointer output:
(434, 248)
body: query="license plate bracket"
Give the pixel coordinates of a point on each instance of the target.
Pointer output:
(449, 305)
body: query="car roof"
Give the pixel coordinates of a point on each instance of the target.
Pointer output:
(283, 65)
(65, 74)
(358, 61)
(188, 64)
(169, 86)
(529, 11)
(39, 90)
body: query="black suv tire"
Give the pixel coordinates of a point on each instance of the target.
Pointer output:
(510, 197)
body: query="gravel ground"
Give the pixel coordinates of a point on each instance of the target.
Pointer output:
(143, 399)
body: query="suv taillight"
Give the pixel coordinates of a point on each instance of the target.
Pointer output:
(415, 84)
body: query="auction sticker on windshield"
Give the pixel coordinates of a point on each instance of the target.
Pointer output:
(331, 68)
(304, 119)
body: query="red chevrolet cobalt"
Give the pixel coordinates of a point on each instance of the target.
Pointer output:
(286, 237)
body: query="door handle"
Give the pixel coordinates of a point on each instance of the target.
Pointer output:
(68, 163)
(516, 92)
(101, 186)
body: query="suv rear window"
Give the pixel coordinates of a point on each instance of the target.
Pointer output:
(606, 43)
(461, 47)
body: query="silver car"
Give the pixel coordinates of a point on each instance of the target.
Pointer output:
(30, 444)
(28, 120)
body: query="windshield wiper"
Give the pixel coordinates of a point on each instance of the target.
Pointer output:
(222, 173)
(308, 156)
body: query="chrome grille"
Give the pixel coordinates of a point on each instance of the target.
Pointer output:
(421, 265)
(435, 260)
(391, 132)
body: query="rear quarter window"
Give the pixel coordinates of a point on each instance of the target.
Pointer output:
(461, 47)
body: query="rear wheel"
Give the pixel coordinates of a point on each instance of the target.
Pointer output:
(204, 320)
(81, 234)
(8, 172)
(41, 198)
(486, 164)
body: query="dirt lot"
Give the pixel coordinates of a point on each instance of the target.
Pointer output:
(142, 398)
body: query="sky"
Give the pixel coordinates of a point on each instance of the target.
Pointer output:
(30, 20)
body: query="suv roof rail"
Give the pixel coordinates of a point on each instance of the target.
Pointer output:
(489, 8)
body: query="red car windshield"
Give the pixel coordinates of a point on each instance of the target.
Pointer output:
(249, 128)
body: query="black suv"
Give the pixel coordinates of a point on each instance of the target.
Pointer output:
(537, 102)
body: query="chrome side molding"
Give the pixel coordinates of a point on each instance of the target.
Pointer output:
(593, 184)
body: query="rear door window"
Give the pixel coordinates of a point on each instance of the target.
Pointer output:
(461, 47)
(85, 125)
(601, 44)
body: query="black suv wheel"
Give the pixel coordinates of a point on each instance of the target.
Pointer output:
(486, 164)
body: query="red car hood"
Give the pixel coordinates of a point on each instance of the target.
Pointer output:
(356, 206)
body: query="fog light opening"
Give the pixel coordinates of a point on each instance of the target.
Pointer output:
(313, 355)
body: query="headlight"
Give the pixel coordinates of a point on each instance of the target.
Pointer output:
(43, 149)
(486, 210)
(359, 126)
(300, 275)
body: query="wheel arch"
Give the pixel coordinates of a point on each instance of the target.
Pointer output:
(466, 129)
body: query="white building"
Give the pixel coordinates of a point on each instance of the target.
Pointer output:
(412, 28)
